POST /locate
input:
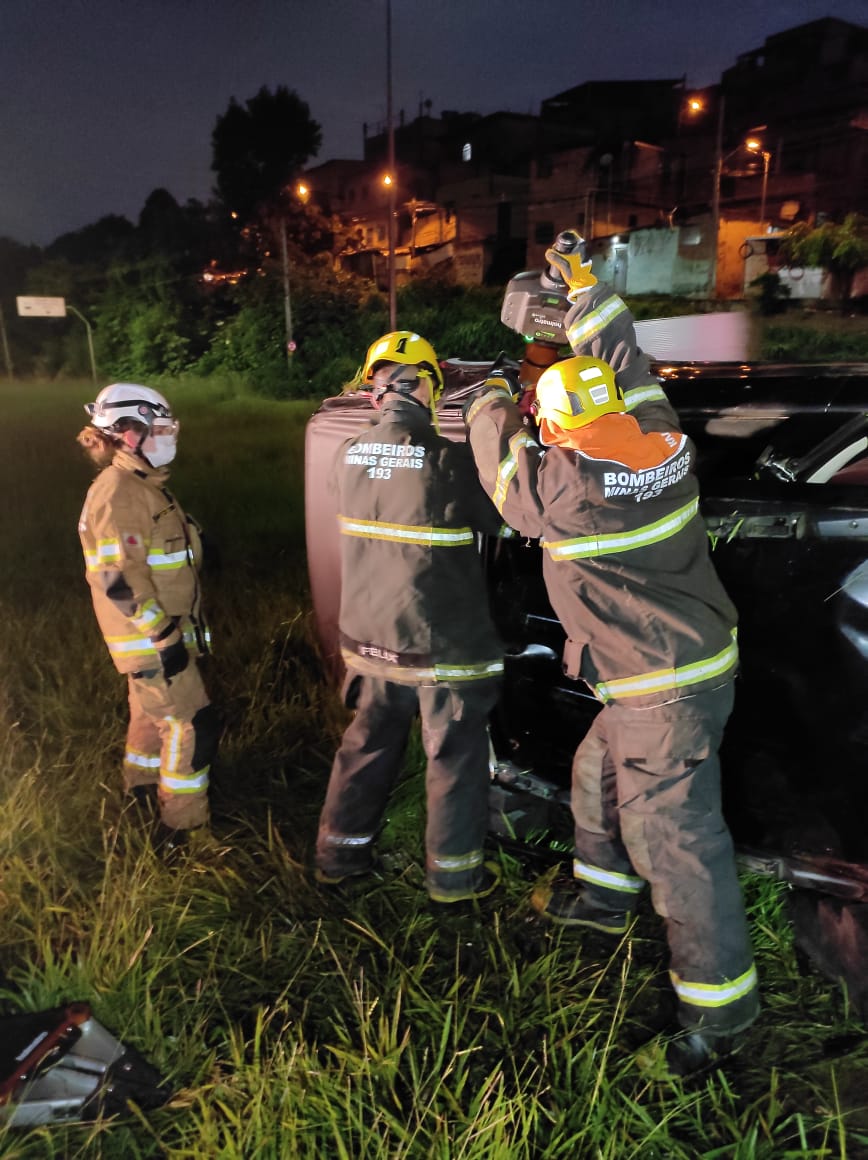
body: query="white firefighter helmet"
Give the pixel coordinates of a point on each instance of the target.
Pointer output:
(575, 391)
(127, 401)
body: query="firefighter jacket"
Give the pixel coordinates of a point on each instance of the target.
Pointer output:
(142, 555)
(625, 552)
(600, 325)
(414, 608)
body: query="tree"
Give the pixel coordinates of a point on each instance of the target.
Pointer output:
(840, 249)
(105, 241)
(259, 148)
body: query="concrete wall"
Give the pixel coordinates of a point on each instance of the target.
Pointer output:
(658, 261)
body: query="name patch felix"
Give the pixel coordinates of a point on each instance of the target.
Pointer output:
(382, 458)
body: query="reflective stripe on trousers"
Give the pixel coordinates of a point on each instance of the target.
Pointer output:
(371, 756)
(172, 740)
(646, 802)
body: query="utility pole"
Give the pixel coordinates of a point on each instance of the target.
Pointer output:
(287, 302)
(715, 204)
(393, 310)
(7, 357)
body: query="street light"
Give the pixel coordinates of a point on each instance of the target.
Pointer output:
(756, 146)
(696, 105)
(302, 192)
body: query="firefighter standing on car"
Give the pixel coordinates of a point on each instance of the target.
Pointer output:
(142, 556)
(416, 634)
(613, 498)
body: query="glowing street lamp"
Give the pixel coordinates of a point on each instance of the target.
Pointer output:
(697, 105)
(302, 192)
(756, 146)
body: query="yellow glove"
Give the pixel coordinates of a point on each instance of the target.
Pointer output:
(576, 273)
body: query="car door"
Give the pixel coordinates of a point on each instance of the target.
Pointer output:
(790, 543)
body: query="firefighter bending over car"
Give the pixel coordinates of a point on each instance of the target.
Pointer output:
(142, 556)
(613, 498)
(416, 634)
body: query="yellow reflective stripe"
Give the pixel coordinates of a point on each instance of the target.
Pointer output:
(606, 544)
(468, 672)
(148, 617)
(141, 760)
(455, 863)
(507, 468)
(107, 552)
(715, 994)
(406, 533)
(348, 839)
(645, 394)
(591, 325)
(130, 646)
(676, 678)
(627, 883)
(483, 401)
(141, 644)
(429, 673)
(172, 748)
(166, 561)
(185, 782)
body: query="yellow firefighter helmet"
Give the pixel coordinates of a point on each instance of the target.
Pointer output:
(575, 391)
(408, 349)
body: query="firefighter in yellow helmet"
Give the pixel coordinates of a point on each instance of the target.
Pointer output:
(651, 632)
(142, 556)
(415, 630)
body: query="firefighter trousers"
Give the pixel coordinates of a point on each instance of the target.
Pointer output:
(370, 758)
(647, 807)
(171, 742)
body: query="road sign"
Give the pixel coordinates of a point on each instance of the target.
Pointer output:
(42, 307)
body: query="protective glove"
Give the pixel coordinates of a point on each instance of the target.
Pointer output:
(503, 379)
(502, 382)
(576, 273)
(174, 658)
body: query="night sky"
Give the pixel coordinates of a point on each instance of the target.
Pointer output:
(105, 100)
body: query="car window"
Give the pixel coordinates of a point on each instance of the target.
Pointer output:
(818, 448)
(854, 472)
(729, 442)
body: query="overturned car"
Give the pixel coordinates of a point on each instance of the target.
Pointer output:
(783, 469)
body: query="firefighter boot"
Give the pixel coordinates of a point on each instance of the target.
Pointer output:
(565, 903)
(693, 1052)
(170, 845)
(488, 881)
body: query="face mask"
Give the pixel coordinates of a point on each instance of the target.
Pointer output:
(159, 449)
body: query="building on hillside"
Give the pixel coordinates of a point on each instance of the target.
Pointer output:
(483, 196)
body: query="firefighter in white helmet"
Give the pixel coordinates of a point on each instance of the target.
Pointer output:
(651, 632)
(416, 634)
(142, 557)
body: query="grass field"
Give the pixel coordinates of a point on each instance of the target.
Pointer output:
(291, 1024)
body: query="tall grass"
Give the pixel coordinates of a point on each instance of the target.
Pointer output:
(291, 1023)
